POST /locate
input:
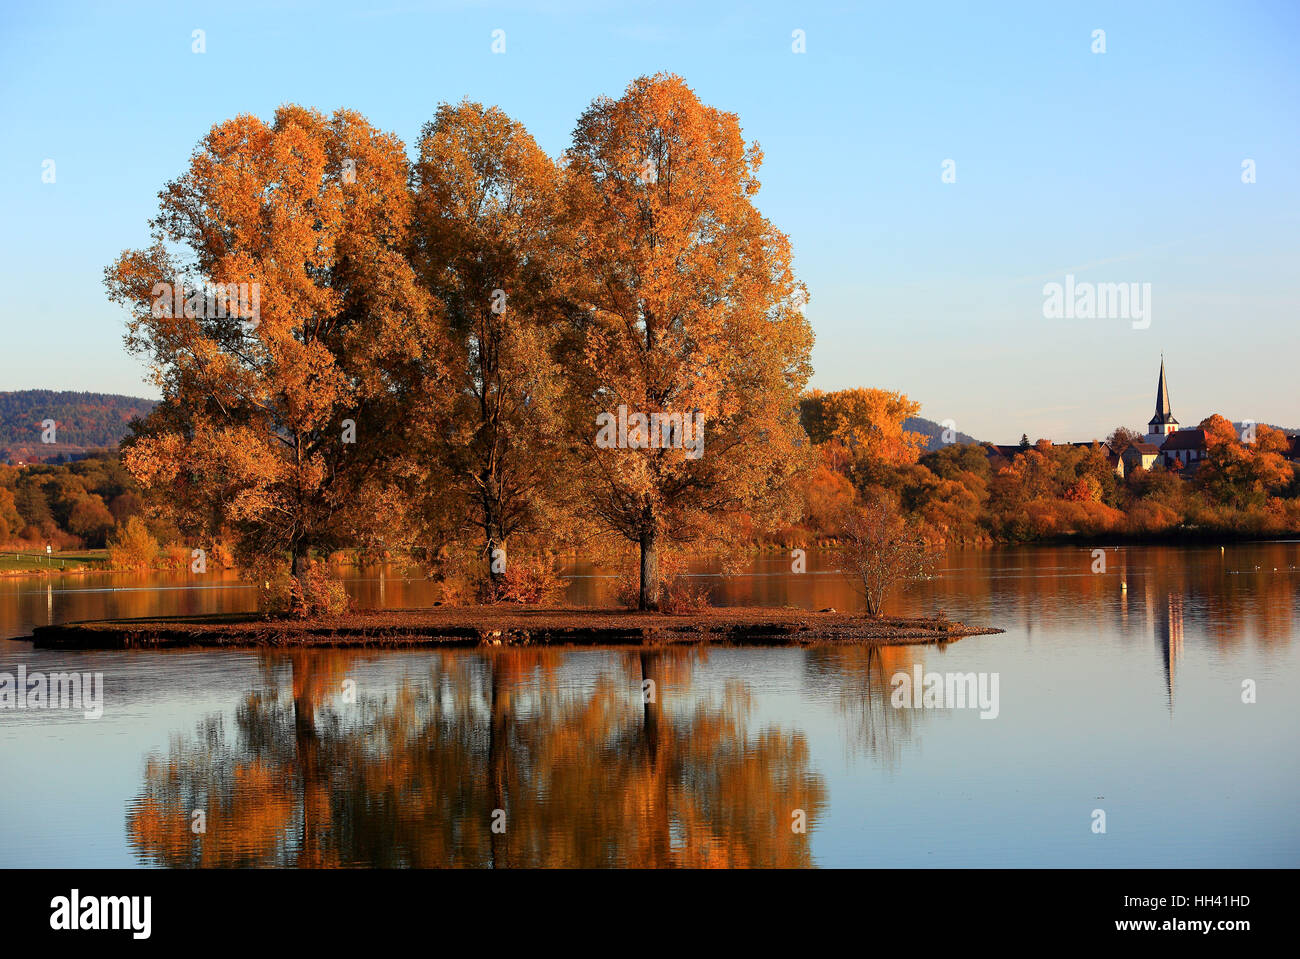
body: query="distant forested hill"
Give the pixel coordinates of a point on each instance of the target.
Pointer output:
(1288, 430)
(94, 420)
(83, 421)
(918, 424)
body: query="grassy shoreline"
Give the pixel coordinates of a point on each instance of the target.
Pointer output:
(507, 626)
(19, 562)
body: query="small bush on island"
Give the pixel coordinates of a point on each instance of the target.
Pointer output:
(456, 570)
(883, 549)
(529, 582)
(682, 597)
(313, 593)
(678, 594)
(463, 578)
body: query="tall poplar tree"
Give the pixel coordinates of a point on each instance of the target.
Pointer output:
(684, 303)
(484, 246)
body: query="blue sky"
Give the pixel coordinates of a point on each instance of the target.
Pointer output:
(1123, 166)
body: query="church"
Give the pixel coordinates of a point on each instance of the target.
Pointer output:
(1165, 443)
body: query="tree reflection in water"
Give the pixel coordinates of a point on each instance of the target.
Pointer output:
(410, 774)
(861, 677)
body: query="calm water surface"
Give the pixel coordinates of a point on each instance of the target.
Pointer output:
(1119, 691)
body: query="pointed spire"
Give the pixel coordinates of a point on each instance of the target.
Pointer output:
(1164, 417)
(1162, 393)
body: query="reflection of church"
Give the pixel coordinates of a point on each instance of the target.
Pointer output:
(1157, 606)
(1169, 633)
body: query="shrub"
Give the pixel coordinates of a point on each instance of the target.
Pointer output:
(1148, 516)
(678, 593)
(627, 590)
(458, 573)
(883, 550)
(682, 596)
(175, 557)
(91, 520)
(313, 593)
(220, 556)
(529, 582)
(133, 547)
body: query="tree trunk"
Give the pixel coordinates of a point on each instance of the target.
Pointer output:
(301, 563)
(495, 554)
(494, 534)
(650, 584)
(875, 600)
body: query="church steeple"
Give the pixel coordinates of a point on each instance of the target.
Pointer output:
(1163, 423)
(1163, 412)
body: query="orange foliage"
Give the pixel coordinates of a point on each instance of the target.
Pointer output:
(868, 422)
(687, 304)
(252, 434)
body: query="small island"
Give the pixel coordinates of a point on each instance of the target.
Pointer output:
(495, 626)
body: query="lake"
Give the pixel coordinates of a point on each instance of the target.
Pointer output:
(1118, 693)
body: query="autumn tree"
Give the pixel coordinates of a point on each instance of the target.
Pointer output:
(1053, 490)
(1121, 438)
(90, 519)
(685, 312)
(1243, 472)
(483, 244)
(956, 460)
(826, 493)
(948, 489)
(132, 546)
(287, 335)
(870, 422)
(883, 550)
(10, 522)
